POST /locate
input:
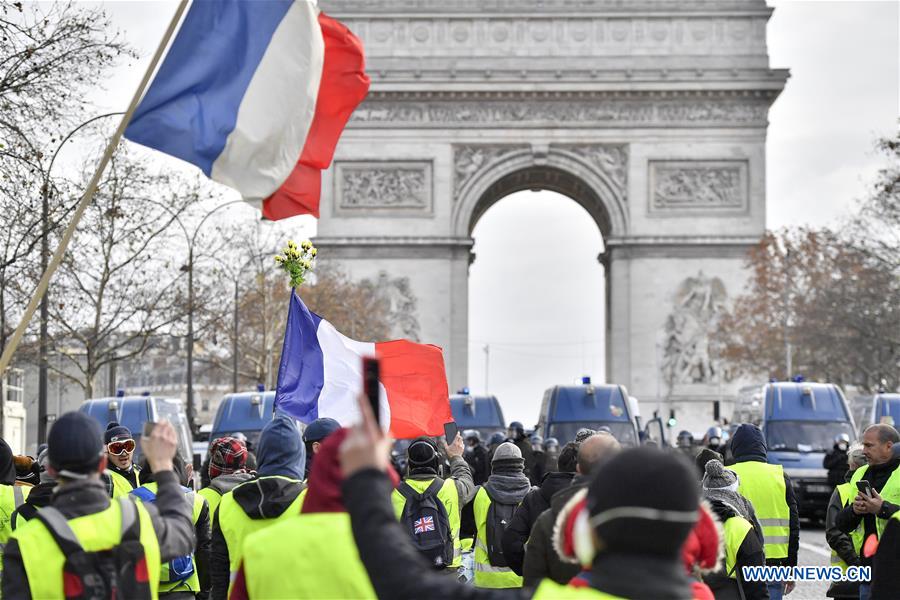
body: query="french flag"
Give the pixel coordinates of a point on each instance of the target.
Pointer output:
(256, 94)
(320, 375)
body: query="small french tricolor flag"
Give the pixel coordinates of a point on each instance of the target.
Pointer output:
(320, 375)
(256, 94)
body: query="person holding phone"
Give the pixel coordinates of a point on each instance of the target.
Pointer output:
(120, 445)
(874, 509)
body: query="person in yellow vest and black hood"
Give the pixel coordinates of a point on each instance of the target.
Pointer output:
(886, 562)
(33, 561)
(12, 496)
(770, 491)
(125, 475)
(876, 510)
(272, 496)
(846, 548)
(641, 505)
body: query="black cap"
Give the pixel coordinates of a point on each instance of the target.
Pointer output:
(422, 452)
(116, 433)
(74, 445)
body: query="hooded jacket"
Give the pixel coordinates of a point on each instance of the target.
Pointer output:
(282, 456)
(748, 445)
(7, 464)
(519, 529)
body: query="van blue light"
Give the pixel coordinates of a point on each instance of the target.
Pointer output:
(586, 380)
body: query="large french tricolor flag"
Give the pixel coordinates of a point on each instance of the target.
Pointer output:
(320, 375)
(256, 94)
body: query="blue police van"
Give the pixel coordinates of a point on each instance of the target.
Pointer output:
(882, 407)
(800, 421)
(134, 411)
(481, 413)
(244, 412)
(568, 408)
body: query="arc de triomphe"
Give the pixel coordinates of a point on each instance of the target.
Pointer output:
(651, 114)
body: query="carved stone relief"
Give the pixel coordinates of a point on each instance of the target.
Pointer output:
(690, 353)
(691, 186)
(611, 160)
(469, 160)
(400, 301)
(383, 188)
(566, 113)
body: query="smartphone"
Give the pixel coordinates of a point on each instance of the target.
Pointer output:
(148, 427)
(371, 373)
(451, 430)
(864, 487)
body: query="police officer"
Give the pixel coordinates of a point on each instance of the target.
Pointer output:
(33, 561)
(125, 475)
(516, 434)
(476, 455)
(424, 459)
(272, 496)
(770, 491)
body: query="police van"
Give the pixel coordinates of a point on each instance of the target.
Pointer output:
(244, 412)
(569, 408)
(134, 411)
(799, 421)
(880, 408)
(481, 413)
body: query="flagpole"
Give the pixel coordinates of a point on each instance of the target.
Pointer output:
(85, 201)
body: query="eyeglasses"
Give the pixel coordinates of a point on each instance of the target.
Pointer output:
(119, 448)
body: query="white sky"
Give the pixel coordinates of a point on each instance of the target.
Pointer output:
(843, 93)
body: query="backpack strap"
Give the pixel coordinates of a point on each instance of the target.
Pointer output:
(59, 528)
(408, 492)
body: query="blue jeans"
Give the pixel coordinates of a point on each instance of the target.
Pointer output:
(776, 589)
(864, 590)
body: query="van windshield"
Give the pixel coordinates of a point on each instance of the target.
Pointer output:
(565, 432)
(805, 436)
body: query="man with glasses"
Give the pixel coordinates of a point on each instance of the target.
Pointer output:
(125, 475)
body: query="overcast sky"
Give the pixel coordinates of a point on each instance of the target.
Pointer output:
(842, 94)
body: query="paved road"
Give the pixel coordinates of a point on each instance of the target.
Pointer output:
(813, 552)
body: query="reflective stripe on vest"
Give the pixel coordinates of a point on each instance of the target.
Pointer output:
(890, 492)
(44, 561)
(735, 529)
(11, 498)
(550, 590)
(328, 566)
(449, 497)
(763, 485)
(847, 492)
(121, 486)
(487, 575)
(236, 525)
(192, 583)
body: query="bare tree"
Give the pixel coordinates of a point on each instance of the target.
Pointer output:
(118, 286)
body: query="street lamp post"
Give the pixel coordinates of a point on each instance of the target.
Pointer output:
(45, 300)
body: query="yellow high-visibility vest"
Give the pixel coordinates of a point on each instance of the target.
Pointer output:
(890, 492)
(847, 492)
(121, 486)
(550, 590)
(486, 574)
(735, 529)
(763, 485)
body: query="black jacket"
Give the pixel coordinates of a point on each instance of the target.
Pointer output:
(519, 529)
(261, 498)
(170, 515)
(398, 571)
(847, 520)
(479, 461)
(524, 445)
(751, 553)
(539, 468)
(886, 564)
(838, 540)
(836, 462)
(38, 497)
(541, 559)
(748, 445)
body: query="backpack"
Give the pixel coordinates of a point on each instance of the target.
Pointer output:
(178, 569)
(499, 515)
(425, 518)
(116, 574)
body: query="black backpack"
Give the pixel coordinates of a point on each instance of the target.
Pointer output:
(499, 516)
(119, 573)
(425, 518)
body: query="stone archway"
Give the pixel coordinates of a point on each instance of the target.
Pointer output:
(652, 115)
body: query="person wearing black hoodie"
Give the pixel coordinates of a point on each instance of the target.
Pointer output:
(541, 559)
(254, 505)
(535, 502)
(758, 484)
(38, 497)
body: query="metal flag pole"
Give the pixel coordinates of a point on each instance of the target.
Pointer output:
(85, 201)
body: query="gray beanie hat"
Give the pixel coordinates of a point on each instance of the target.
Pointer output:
(717, 476)
(507, 451)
